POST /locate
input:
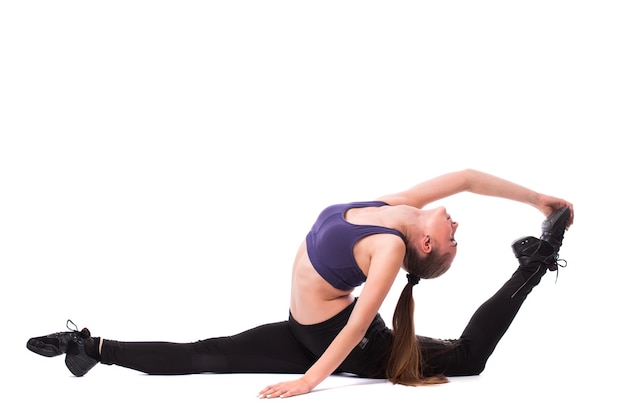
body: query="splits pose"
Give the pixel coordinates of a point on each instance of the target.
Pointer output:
(329, 330)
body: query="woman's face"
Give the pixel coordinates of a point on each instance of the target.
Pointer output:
(442, 229)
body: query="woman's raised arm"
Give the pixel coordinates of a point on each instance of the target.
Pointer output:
(476, 182)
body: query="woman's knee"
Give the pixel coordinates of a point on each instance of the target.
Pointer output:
(456, 358)
(472, 367)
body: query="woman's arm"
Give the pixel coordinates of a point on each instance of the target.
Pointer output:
(478, 183)
(388, 253)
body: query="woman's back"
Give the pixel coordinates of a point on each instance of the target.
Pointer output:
(313, 298)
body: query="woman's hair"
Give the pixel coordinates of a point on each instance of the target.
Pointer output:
(404, 364)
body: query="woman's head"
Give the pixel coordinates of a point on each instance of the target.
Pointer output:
(432, 251)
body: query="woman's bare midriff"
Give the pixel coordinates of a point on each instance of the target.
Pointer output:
(313, 300)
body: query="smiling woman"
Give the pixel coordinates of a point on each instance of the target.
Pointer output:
(331, 330)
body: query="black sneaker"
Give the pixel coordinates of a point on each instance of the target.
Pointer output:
(76, 359)
(553, 228)
(530, 249)
(56, 343)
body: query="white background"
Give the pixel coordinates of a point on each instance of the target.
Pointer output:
(161, 161)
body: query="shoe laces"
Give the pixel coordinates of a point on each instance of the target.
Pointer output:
(558, 263)
(84, 333)
(73, 328)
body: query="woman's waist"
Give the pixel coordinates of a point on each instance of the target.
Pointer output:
(310, 309)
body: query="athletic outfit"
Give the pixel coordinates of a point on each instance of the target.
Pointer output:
(331, 241)
(290, 347)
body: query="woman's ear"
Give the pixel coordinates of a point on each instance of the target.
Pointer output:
(426, 244)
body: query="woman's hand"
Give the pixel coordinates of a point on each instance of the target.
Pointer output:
(548, 204)
(286, 389)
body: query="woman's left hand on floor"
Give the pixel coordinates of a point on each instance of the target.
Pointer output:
(286, 389)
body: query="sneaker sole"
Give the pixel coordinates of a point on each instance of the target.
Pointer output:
(42, 349)
(79, 364)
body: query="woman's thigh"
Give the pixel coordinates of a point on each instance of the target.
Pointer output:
(270, 348)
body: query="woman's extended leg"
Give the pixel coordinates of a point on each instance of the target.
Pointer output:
(270, 348)
(468, 355)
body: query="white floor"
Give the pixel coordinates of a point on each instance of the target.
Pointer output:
(160, 163)
(105, 391)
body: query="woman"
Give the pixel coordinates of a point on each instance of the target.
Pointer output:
(329, 330)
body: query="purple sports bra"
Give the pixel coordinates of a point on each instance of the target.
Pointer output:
(331, 241)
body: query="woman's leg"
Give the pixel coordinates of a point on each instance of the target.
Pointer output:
(269, 348)
(468, 355)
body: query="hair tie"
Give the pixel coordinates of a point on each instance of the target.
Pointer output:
(413, 279)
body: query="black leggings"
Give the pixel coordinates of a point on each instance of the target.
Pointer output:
(289, 347)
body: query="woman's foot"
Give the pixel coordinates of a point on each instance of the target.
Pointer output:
(81, 350)
(56, 343)
(81, 355)
(545, 249)
(553, 227)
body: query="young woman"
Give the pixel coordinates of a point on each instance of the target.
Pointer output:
(329, 330)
